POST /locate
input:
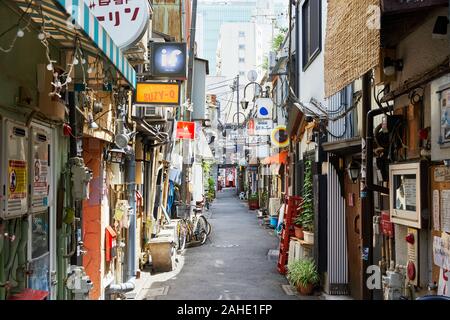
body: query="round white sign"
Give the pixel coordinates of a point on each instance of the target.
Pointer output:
(125, 20)
(252, 76)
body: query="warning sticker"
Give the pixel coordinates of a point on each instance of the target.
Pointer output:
(40, 182)
(17, 172)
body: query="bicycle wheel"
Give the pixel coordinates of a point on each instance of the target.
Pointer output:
(202, 230)
(182, 234)
(208, 225)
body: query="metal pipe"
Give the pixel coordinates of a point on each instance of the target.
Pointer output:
(22, 255)
(2, 265)
(369, 140)
(13, 247)
(130, 180)
(190, 81)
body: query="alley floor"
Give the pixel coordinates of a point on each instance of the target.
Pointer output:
(234, 264)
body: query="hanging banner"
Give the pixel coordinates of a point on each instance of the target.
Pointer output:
(186, 130)
(125, 21)
(17, 172)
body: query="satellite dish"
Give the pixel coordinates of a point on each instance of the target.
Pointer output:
(252, 76)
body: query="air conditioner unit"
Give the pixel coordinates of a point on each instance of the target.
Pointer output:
(156, 113)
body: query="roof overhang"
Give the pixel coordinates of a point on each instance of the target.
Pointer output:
(59, 15)
(343, 147)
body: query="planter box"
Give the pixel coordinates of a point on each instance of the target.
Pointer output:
(308, 237)
(253, 204)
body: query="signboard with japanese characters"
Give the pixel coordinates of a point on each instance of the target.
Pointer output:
(158, 93)
(186, 130)
(263, 127)
(168, 60)
(126, 21)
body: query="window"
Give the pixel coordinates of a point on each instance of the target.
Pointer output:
(241, 60)
(312, 33)
(242, 47)
(241, 34)
(242, 73)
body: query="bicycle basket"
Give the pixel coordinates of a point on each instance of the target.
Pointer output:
(183, 211)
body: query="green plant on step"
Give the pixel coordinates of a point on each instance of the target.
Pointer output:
(306, 215)
(303, 273)
(253, 197)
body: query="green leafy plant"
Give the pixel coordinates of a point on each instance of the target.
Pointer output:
(211, 189)
(253, 197)
(306, 216)
(303, 272)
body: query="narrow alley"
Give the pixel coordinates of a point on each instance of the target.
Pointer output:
(234, 264)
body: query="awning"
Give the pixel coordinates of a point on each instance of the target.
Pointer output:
(280, 158)
(92, 35)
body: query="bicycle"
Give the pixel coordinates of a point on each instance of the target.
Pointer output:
(193, 229)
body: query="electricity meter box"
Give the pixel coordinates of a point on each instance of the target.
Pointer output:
(408, 184)
(14, 169)
(40, 168)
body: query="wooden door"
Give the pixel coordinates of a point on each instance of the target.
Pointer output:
(354, 236)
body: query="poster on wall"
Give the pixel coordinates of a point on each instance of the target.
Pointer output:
(436, 211)
(441, 251)
(445, 211)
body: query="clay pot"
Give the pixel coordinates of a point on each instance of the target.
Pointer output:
(298, 232)
(305, 291)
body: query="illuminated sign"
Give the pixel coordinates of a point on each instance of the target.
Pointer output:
(160, 93)
(125, 21)
(186, 130)
(168, 60)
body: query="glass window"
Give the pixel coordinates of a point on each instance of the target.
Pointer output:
(312, 31)
(242, 47)
(241, 34)
(405, 192)
(242, 60)
(39, 235)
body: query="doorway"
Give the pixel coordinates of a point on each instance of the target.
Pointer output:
(354, 236)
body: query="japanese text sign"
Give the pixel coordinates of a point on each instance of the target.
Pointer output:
(186, 130)
(158, 93)
(126, 21)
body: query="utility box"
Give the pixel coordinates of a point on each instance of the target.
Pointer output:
(14, 169)
(40, 173)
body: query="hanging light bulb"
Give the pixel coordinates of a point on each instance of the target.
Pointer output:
(41, 36)
(75, 61)
(20, 33)
(69, 79)
(83, 61)
(50, 67)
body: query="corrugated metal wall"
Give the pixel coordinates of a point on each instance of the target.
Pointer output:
(342, 129)
(337, 236)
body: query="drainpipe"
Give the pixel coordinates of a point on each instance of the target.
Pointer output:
(22, 256)
(2, 264)
(13, 245)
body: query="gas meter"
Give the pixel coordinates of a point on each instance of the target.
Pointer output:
(79, 283)
(81, 176)
(14, 169)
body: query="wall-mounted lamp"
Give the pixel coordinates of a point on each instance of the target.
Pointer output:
(440, 28)
(91, 123)
(390, 66)
(354, 170)
(116, 155)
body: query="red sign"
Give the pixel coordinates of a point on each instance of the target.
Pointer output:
(387, 227)
(251, 127)
(186, 130)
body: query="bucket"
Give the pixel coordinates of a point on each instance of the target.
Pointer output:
(273, 221)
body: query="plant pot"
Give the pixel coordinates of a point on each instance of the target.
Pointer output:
(305, 291)
(253, 204)
(308, 237)
(298, 232)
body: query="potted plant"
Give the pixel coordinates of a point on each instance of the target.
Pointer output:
(306, 218)
(298, 228)
(253, 202)
(303, 275)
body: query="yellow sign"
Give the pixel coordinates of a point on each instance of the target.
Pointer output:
(280, 137)
(17, 172)
(161, 93)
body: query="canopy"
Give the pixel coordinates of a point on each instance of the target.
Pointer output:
(280, 158)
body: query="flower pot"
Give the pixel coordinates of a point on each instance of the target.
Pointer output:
(305, 291)
(308, 237)
(298, 232)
